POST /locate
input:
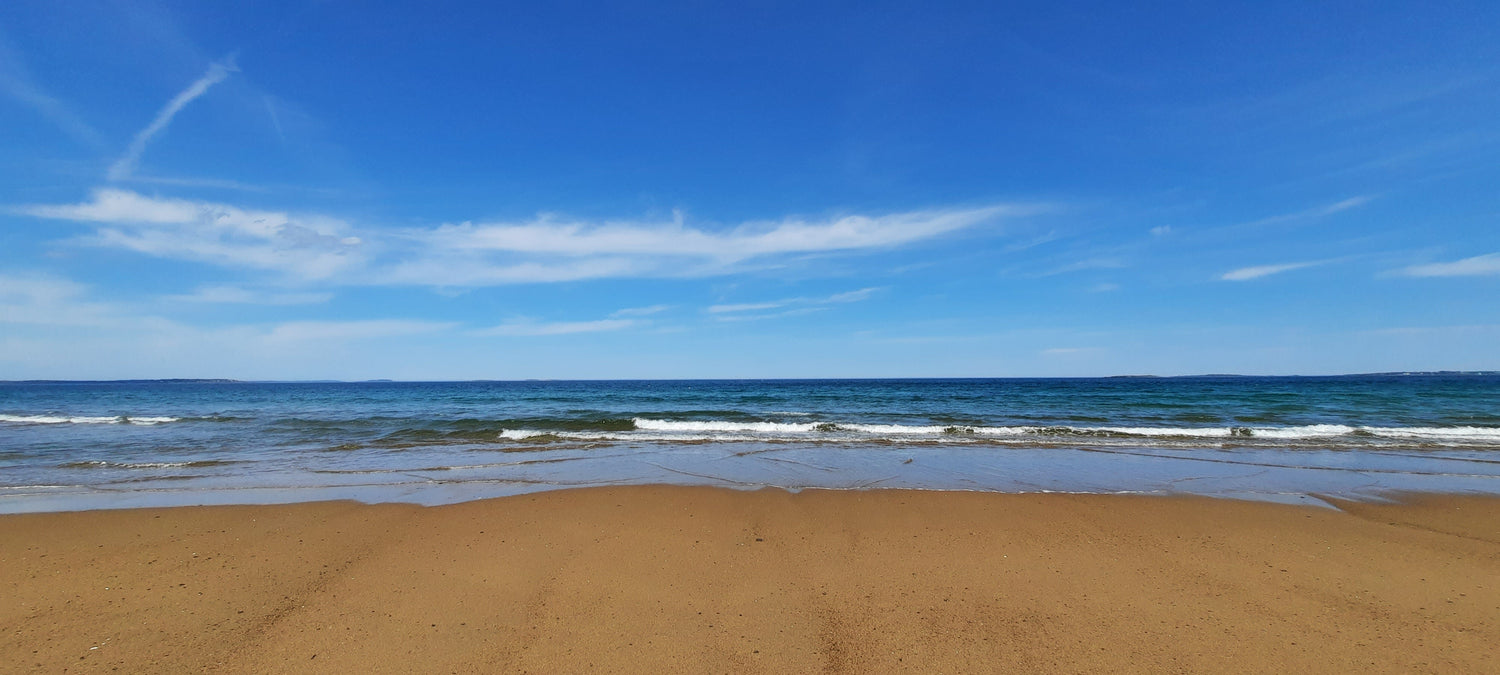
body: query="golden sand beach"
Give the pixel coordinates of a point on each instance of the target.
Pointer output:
(676, 579)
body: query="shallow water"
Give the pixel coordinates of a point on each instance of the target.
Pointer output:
(92, 445)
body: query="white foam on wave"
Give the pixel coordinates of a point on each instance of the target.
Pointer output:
(722, 430)
(1154, 432)
(1306, 431)
(1287, 433)
(1165, 432)
(84, 419)
(718, 426)
(1437, 433)
(133, 465)
(897, 429)
(147, 421)
(521, 434)
(688, 437)
(56, 419)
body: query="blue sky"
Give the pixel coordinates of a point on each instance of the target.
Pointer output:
(307, 190)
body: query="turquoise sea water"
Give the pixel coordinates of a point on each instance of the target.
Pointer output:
(93, 445)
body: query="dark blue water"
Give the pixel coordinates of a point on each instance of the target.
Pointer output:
(81, 445)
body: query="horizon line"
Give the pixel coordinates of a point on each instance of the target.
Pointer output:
(223, 380)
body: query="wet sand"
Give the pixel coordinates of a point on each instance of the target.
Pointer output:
(681, 579)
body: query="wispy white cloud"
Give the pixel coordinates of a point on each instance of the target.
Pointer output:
(18, 84)
(546, 250)
(836, 298)
(123, 167)
(1068, 351)
(1101, 263)
(1258, 271)
(37, 289)
(275, 117)
(756, 311)
(28, 93)
(750, 306)
(1161, 230)
(553, 249)
(1314, 212)
(798, 311)
(1104, 288)
(640, 311)
(854, 296)
(445, 270)
(220, 183)
(238, 295)
(1479, 265)
(1423, 331)
(309, 247)
(143, 346)
(1342, 205)
(537, 328)
(548, 235)
(48, 301)
(319, 331)
(53, 327)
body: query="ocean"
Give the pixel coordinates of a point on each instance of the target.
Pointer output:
(74, 445)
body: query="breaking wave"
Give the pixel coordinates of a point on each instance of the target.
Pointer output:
(84, 419)
(646, 429)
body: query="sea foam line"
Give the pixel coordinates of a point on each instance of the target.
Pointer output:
(84, 419)
(104, 464)
(728, 430)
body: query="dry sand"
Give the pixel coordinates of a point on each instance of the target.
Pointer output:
(703, 580)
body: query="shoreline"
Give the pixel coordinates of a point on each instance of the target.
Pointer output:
(445, 475)
(382, 494)
(699, 578)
